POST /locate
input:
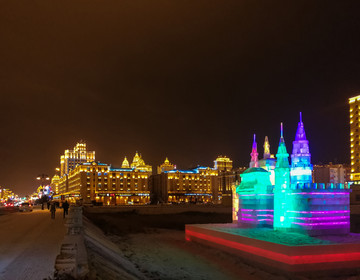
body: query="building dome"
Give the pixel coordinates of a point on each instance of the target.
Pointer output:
(125, 163)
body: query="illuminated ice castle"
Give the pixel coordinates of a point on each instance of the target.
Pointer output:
(273, 193)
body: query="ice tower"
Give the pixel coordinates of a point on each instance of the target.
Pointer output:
(267, 153)
(255, 194)
(282, 185)
(301, 167)
(254, 154)
(268, 162)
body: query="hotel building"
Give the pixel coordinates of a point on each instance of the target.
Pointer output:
(71, 158)
(331, 173)
(95, 182)
(201, 184)
(226, 178)
(354, 103)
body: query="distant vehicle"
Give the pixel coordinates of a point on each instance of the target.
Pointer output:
(9, 204)
(25, 207)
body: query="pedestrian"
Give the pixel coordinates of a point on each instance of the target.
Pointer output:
(52, 210)
(65, 206)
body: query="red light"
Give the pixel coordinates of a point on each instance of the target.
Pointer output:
(303, 259)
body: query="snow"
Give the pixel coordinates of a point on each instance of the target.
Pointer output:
(162, 254)
(150, 251)
(30, 242)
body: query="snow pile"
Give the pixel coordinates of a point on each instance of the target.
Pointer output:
(106, 261)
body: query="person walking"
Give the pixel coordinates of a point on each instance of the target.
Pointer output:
(65, 206)
(52, 210)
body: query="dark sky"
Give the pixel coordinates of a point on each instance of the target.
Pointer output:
(182, 78)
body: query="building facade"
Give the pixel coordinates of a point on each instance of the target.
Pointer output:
(165, 166)
(226, 178)
(331, 173)
(100, 183)
(354, 103)
(95, 182)
(71, 158)
(197, 185)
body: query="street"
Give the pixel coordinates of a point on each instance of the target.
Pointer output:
(30, 242)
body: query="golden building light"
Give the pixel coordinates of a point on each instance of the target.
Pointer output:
(354, 103)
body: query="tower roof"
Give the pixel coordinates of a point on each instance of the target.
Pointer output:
(125, 163)
(254, 154)
(300, 132)
(282, 154)
(266, 148)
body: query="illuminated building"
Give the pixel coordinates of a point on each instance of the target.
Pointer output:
(166, 166)
(125, 163)
(184, 186)
(331, 173)
(226, 178)
(139, 164)
(55, 183)
(99, 182)
(71, 158)
(6, 194)
(354, 103)
(201, 184)
(223, 163)
(293, 203)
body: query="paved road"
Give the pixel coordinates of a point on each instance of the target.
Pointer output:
(29, 244)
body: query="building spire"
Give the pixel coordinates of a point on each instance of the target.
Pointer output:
(254, 154)
(266, 148)
(301, 167)
(282, 154)
(300, 133)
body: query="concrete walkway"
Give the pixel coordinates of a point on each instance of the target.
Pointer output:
(29, 244)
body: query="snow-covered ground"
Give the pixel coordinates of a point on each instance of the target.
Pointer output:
(29, 244)
(161, 254)
(164, 254)
(150, 251)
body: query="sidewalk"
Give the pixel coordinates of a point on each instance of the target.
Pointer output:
(29, 244)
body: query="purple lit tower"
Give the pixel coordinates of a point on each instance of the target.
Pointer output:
(254, 154)
(301, 167)
(301, 206)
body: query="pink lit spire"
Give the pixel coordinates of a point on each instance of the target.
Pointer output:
(254, 154)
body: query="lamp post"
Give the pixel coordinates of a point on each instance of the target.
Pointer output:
(42, 178)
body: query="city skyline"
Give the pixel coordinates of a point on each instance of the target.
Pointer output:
(183, 80)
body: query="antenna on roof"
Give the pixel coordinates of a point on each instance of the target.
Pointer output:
(281, 130)
(300, 117)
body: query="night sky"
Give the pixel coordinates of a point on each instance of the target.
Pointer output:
(180, 78)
